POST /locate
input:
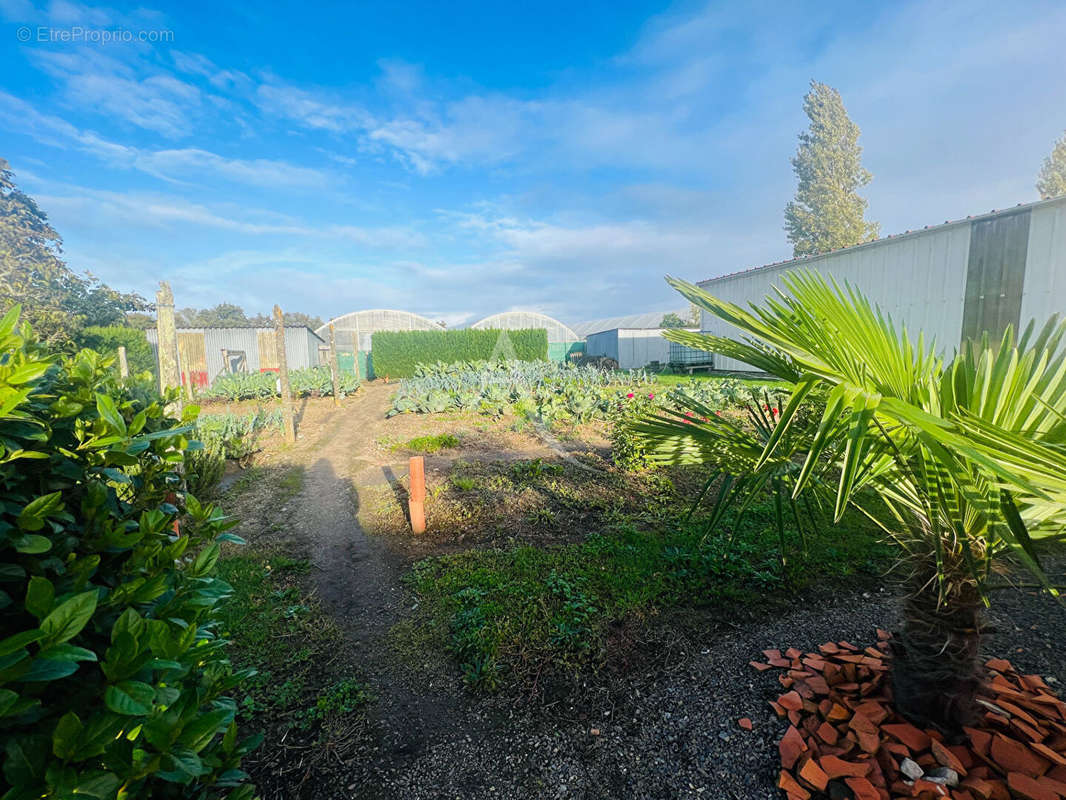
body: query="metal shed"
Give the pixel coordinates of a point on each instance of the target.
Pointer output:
(562, 341)
(205, 353)
(632, 348)
(950, 281)
(355, 330)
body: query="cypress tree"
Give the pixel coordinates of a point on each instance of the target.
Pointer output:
(828, 212)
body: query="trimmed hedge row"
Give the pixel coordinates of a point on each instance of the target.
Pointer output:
(396, 353)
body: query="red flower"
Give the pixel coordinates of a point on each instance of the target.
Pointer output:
(630, 395)
(651, 397)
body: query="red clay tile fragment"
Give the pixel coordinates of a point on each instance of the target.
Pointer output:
(838, 713)
(923, 788)
(761, 667)
(791, 701)
(980, 740)
(839, 768)
(946, 758)
(812, 774)
(791, 747)
(999, 665)
(1012, 756)
(1027, 787)
(791, 786)
(915, 739)
(862, 789)
(745, 723)
(827, 733)
(1049, 754)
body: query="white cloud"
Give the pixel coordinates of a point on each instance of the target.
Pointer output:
(92, 80)
(186, 165)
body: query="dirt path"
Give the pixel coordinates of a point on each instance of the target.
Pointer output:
(358, 576)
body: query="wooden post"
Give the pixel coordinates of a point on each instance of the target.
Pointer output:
(225, 361)
(416, 496)
(168, 340)
(184, 372)
(333, 368)
(283, 376)
(123, 364)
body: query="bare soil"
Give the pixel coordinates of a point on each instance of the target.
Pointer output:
(660, 724)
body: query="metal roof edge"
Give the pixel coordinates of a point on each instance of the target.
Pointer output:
(892, 237)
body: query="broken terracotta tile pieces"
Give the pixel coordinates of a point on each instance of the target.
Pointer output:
(846, 740)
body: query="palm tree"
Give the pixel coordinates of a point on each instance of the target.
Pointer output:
(963, 463)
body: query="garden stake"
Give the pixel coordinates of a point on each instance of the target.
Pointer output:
(417, 494)
(283, 376)
(334, 370)
(123, 364)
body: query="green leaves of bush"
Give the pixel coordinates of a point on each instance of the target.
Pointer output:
(113, 681)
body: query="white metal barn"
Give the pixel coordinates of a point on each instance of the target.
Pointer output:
(632, 348)
(950, 281)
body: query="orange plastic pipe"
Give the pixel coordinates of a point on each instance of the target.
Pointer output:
(417, 494)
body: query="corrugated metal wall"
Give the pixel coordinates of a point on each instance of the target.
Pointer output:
(301, 347)
(1044, 292)
(920, 280)
(631, 348)
(603, 344)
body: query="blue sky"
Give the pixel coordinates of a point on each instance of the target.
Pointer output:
(458, 159)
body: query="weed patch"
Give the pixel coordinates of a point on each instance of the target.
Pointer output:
(277, 627)
(430, 444)
(513, 614)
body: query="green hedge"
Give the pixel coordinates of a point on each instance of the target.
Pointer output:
(396, 353)
(139, 354)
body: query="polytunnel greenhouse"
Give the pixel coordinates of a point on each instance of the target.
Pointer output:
(355, 330)
(562, 341)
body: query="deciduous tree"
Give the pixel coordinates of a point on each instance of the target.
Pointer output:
(55, 300)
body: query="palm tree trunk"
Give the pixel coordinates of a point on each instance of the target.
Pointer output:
(936, 669)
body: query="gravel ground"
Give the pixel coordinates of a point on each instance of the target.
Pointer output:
(671, 732)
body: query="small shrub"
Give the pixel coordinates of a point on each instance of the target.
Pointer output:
(628, 450)
(464, 484)
(204, 467)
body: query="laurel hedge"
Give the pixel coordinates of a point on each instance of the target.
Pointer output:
(396, 354)
(114, 682)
